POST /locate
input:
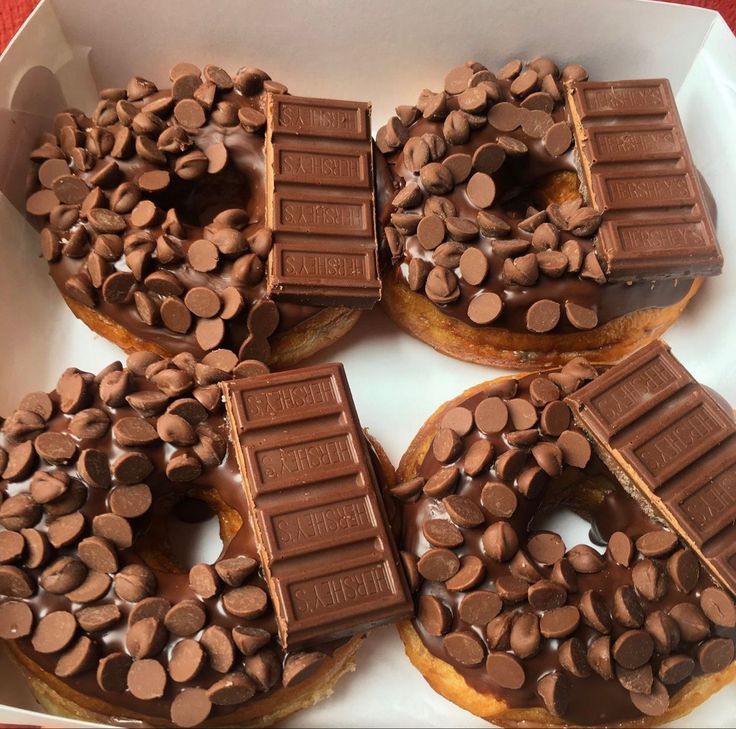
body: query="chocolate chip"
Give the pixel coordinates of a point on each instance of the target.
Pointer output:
(446, 445)
(98, 554)
(485, 307)
(250, 640)
(38, 403)
(504, 670)
(430, 232)
(133, 432)
(98, 618)
(557, 139)
(235, 570)
(543, 316)
(498, 631)
(479, 608)
(470, 575)
(477, 457)
(438, 564)
(434, 616)
(81, 657)
(638, 680)
(599, 657)
(560, 622)
(654, 703)
(12, 546)
(585, 559)
(564, 574)
(505, 117)
(190, 707)
(554, 690)
(691, 621)
(47, 486)
(657, 543)
(491, 415)
(664, 631)
(481, 190)
(463, 511)
(464, 647)
(627, 610)
(594, 610)
(498, 499)
(555, 418)
(16, 620)
(134, 583)
(408, 491)
(509, 464)
(437, 179)
(546, 595)
(546, 547)
(63, 575)
(114, 528)
(442, 482)
(186, 661)
(621, 548)
(649, 579)
(54, 632)
(715, 655)
(718, 607)
(442, 533)
(185, 618)
(525, 637)
(147, 679)
(149, 607)
(245, 602)
(633, 649)
(675, 669)
(522, 566)
(299, 666)
(20, 462)
(500, 541)
(581, 317)
(66, 530)
(235, 688)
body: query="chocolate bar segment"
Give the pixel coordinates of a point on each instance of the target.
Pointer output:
(328, 553)
(640, 176)
(320, 202)
(675, 445)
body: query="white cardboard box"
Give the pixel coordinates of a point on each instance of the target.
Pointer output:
(385, 51)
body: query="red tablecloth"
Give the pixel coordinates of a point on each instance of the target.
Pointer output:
(14, 12)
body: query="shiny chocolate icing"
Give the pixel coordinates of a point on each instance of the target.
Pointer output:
(594, 494)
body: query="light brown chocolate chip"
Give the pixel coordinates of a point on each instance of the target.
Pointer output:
(474, 266)
(477, 457)
(498, 499)
(147, 679)
(299, 666)
(203, 580)
(98, 618)
(134, 583)
(438, 564)
(430, 232)
(675, 669)
(479, 608)
(554, 690)
(66, 530)
(16, 620)
(442, 482)
(63, 575)
(12, 546)
(235, 570)
(633, 649)
(470, 575)
(112, 672)
(190, 707)
(54, 632)
(557, 139)
(575, 448)
(133, 432)
(649, 579)
(560, 622)
(546, 595)
(114, 528)
(715, 655)
(463, 511)
(594, 610)
(464, 647)
(504, 670)
(245, 602)
(718, 607)
(654, 703)
(684, 569)
(149, 607)
(81, 657)
(522, 413)
(185, 618)
(434, 616)
(664, 631)
(621, 548)
(627, 609)
(130, 501)
(442, 533)
(235, 688)
(186, 661)
(481, 190)
(500, 541)
(525, 637)
(485, 307)
(446, 445)
(546, 547)
(491, 415)
(585, 559)
(637, 680)
(657, 543)
(581, 317)
(543, 316)
(691, 621)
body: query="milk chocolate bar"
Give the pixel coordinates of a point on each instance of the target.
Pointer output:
(328, 553)
(320, 202)
(675, 443)
(640, 176)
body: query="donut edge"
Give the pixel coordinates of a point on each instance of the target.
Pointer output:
(287, 348)
(450, 684)
(497, 347)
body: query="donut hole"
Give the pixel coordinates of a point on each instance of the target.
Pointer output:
(188, 529)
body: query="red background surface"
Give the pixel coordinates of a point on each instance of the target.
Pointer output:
(14, 12)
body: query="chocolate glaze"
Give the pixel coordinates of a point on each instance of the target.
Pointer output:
(240, 185)
(518, 184)
(594, 494)
(222, 483)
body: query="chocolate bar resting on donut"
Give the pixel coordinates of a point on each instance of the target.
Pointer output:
(326, 547)
(640, 177)
(673, 444)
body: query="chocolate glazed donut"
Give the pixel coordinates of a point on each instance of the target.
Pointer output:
(514, 625)
(94, 604)
(492, 253)
(154, 211)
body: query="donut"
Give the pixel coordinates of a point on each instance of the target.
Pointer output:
(101, 612)
(516, 626)
(153, 220)
(490, 241)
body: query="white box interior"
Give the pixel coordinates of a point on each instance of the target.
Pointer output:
(386, 52)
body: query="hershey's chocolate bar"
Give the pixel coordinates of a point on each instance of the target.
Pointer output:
(328, 553)
(640, 176)
(676, 444)
(320, 202)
